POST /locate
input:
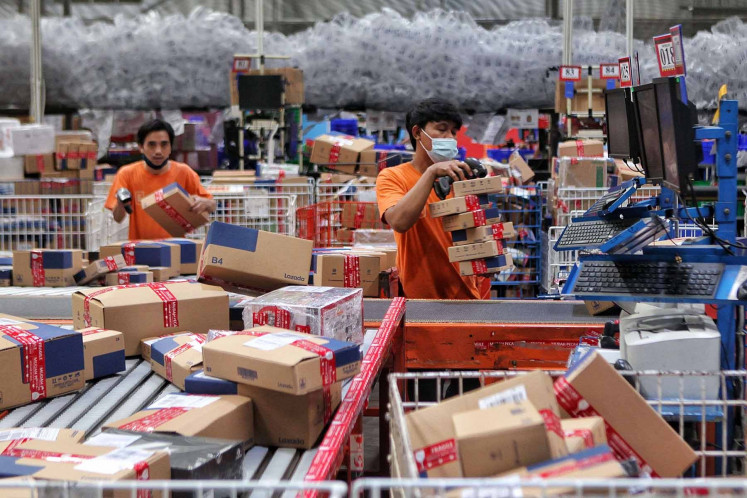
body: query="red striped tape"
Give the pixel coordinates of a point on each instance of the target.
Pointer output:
(171, 212)
(34, 359)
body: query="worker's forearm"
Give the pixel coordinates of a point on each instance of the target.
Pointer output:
(119, 212)
(402, 216)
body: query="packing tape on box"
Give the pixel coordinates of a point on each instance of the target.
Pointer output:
(171, 212)
(580, 148)
(12, 450)
(152, 421)
(572, 402)
(552, 422)
(360, 213)
(479, 218)
(351, 272)
(93, 331)
(40, 163)
(123, 277)
(128, 250)
(37, 268)
(170, 303)
(34, 359)
(168, 358)
(584, 434)
(479, 266)
(334, 153)
(472, 202)
(274, 316)
(111, 264)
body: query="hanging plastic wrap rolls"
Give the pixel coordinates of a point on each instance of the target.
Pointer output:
(380, 61)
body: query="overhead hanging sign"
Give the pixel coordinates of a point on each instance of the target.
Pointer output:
(609, 71)
(679, 49)
(626, 78)
(570, 73)
(665, 55)
(523, 119)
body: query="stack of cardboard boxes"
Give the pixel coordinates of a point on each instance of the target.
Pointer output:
(369, 269)
(354, 156)
(478, 232)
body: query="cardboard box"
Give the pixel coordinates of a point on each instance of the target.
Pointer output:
(128, 277)
(634, 430)
(470, 220)
(37, 361)
(339, 150)
(520, 170)
(500, 438)
(175, 357)
(46, 267)
(457, 205)
(580, 100)
(349, 270)
(38, 163)
(42, 434)
(164, 273)
(380, 238)
(581, 148)
(31, 139)
(360, 215)
(281, 360)
(225, 417)
(345, 235)
(103, 351)
(583, 173)
(6, 276)
(477, 186)
(145, 344)
(148, 253)
(481, 250)
(171, 208)
(99, 268)
(148, 310)
(27, 187)
(283, 420)
(583, 433)
(321, 311)
(246, 258)
(189, 254)
(598, 307)
(292, 77)
(432, 434)
(496, 231)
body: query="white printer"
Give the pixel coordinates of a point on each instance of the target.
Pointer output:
(672, 340)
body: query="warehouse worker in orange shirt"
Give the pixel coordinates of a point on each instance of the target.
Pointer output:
(154, 172)
(403, 193)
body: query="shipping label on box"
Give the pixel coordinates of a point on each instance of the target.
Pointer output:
(148, 310)
(339, 150)
(470, 220)
(37, 361)
(175, 357)
(103, 351)
(583, 433)
(226, 417)
(41, 433)
(581, 148)
(349, 270)
(477, 186)
(432, 434)
(189, 254)
(46, 267)
(129, 277)
(99, 268)
(171, 207)
(634, 430)
(281, 360)
(458, 205)
(481, 250)
(252, 259)
(496, 231)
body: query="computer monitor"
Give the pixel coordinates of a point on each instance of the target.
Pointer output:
(622, 138)
(647, 124)
(678, 147)
(258, 92)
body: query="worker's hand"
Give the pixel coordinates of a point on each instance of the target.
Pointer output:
(201, 205)
(457, 170)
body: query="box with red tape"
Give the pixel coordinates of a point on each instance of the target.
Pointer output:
(171, 208)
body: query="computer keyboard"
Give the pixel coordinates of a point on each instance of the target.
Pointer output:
(604, 201)
(592, 233)
(665, 279)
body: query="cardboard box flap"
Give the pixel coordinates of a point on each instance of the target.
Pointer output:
(227, 235)
(476, 422)
(199, 383)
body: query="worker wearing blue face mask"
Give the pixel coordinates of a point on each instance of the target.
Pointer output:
(403, 193)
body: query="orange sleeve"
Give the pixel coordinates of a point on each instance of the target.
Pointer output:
(389, 190)
(120, 180)
(197, 187)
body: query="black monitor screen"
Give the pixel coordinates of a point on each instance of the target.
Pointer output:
(260, 91)
(645, 99)
(618, 136)
(667, 130)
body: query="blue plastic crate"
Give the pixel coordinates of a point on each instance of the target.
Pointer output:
(346, 126)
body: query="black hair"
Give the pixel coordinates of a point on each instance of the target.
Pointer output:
(154, 125)
(428, 110)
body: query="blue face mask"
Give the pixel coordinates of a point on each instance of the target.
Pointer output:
(442, 149)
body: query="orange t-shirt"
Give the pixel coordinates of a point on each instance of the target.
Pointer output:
(422, 252)
(140, 182)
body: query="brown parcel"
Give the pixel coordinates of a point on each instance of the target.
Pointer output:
(339, 151)
(476, 186)
(475, 251)
(457, 205)
(597, 307)
(360, 215)
(581, 148)
(496, 231)
(138, 312)
(593, 386)
(99, 268)
(182, 219)
(38, 163)
(583, 173)
(500, 438)
(274, 363)
(470, 220)
(146, 342)
(330, 271)
(432, 431)
(226, 417)
(582, 433)
(520, 169)
(159, 272)
(120, 278)
(185, 358)
(97, 342)
(53, 277)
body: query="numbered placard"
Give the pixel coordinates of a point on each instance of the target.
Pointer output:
(679, 49)
(570, 73)
(609, 71)
(665, 55)
(626, 76)
(242, 64)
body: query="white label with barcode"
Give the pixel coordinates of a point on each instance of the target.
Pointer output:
(270, 342)
(115, 461)
(114, 440)
(45, 434)
(513, 395)
(182, 401)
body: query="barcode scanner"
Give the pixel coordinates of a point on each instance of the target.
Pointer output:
(442, 185)
(124, 196)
